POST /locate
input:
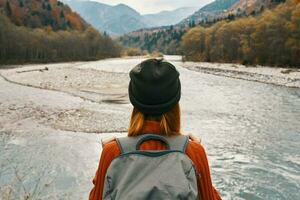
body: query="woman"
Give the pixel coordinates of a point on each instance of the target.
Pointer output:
(154, 91)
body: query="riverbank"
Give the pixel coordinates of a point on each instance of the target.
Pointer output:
(288, 77)
(270, 75)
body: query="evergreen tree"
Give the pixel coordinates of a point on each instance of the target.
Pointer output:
(21, 4)
(49, 7)
(8, 8)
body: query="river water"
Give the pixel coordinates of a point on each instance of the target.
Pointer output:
(250, 130)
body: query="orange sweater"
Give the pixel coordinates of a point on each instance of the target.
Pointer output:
(194, 151)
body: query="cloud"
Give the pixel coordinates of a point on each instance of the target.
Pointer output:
(154, 6)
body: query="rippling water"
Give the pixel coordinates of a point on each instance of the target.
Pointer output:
(251, 132)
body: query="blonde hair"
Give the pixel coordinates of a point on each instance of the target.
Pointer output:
(169, 122)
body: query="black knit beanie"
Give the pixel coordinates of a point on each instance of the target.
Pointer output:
(154, 87)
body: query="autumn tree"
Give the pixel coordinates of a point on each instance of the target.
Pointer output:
(20, 44)
(194, 43)
(273, 38)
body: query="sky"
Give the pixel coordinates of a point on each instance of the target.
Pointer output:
(155, 6)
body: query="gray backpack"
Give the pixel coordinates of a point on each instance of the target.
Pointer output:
(151, 175)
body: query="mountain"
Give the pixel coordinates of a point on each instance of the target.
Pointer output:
(114, 20)
(229, 9)
(247, 7)
(163, 39)
(122, 19)
(209, 11)
(269, 38)
(165, 18)
(167, 39)
(218, 5)
(42, 13)
(38, 31)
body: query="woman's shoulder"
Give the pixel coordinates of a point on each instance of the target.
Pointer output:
(111, 149)
(195, 148)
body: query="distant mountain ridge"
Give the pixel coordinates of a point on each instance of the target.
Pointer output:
(169, 17)
(218, 5)
(122, 19)
(222, 9)
(114, 20)
(208, 11)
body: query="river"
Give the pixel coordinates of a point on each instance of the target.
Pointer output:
(51, 123)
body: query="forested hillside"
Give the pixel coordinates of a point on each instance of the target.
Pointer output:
(41, 13)
(165, 40)
(269, 36)
(272, 38)
(48, 31)
(209, 12)
(251, 7)
(224, 9)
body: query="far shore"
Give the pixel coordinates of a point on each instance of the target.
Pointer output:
(25, 64)
(289, 77)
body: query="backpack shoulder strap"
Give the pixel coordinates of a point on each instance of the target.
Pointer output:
(173, 143)
(127, 144)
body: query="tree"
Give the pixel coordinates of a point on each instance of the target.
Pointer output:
(21, 4)
(22, 44)
(193, 43)
(8, 8)
(62, 15)
(49, 7)
(192, 24)
(273, 38)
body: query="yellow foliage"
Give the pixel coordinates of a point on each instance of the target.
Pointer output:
(20, 44)
(272, 38)
(132, 52)
(74, 21)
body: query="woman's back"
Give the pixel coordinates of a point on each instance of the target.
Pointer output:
(194, 151)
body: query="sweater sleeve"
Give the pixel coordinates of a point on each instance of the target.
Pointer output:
(197, 154)
(109, 152)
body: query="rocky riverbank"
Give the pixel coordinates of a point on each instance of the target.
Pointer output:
(276, 76)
